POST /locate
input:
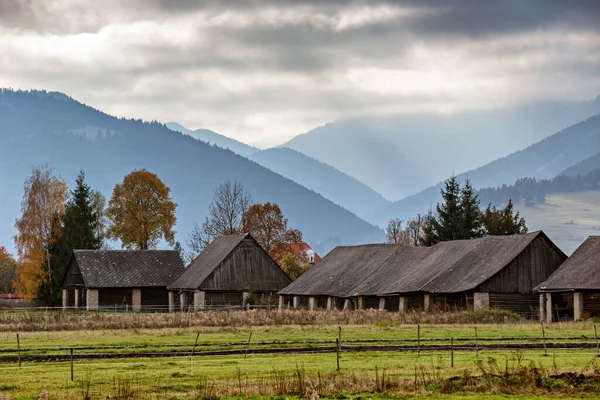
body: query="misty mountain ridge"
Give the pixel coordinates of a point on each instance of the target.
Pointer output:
(334, 185)
(542, 160)
(214, 138)
(401, 155)
(38, 128)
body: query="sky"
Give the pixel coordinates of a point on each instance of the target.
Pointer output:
(265, 71)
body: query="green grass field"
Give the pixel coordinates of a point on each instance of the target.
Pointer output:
(373, 374)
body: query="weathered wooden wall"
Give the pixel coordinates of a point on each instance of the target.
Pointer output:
(249, 269)
(527, 305)
(533, 266)
(155, 299)
(451, 302)
(121, 299)
(220, 299)
(73, 276)
(591, 303)
(392, 303)
(415, 302)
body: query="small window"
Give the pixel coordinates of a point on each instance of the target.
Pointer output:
(312, 259)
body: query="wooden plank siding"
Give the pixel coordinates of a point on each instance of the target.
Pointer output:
(155, 299)
(527, 305)
(73, 276)
(451, 301)
(248, 268)
(591, 303)
(119, 299)
(530, 268)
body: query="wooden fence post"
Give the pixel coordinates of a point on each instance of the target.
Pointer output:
(419, 339)
(476, 343)
(192, 355)
(19, 348)
(544, 337)
(595, 335)
(248, 345)
(452, 352)
(337, 353)
(71, 364)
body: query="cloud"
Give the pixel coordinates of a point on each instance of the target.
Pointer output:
(266, 70)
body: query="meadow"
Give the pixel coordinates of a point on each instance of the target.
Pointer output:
(567, 218)
(382, 355)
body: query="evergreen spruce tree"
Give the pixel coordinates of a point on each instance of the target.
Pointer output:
(429, 236)
(79, 231)
(503, 222)
(80, 220)
(471, 216)
(448, 224)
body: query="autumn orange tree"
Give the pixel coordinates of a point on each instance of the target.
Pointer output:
(8, 271)
(38, 229)
(266, 223)
(141, 211)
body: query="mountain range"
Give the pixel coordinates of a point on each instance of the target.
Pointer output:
(38, 127)
(545, 159)
(210, 137)
(320, 180)
(334, 185)
(400, 155)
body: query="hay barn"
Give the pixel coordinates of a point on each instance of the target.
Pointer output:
(120, 280)
(490, 272)
(573, 291)
(233, 271)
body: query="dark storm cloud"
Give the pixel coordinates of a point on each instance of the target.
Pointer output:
(469, 17)
(278, 67)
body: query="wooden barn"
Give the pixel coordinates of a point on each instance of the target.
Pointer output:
(490, 272)
(234, 270)
(122, 280)
(573, 291)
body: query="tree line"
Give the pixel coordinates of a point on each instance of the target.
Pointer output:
(55, 221)
(458, 216)
(532, 190)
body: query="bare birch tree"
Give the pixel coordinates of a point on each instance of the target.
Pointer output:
(225, 213)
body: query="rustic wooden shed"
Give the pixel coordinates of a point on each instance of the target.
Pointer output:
(232, 271)
(124, 280)
(494, 271)
(573, 291)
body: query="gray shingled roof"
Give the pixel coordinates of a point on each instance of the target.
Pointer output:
(204, 265)
(339, 272)
(128, 268)
(580, 272)
(448, 267)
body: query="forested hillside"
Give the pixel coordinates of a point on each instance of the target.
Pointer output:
(531, 190)
(583, 167)
(338, 187)
(39, 127)
(543, 160)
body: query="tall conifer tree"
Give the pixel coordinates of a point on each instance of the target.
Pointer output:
(471, 216)
(448, 224)
(79, 231)
(429, 236)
